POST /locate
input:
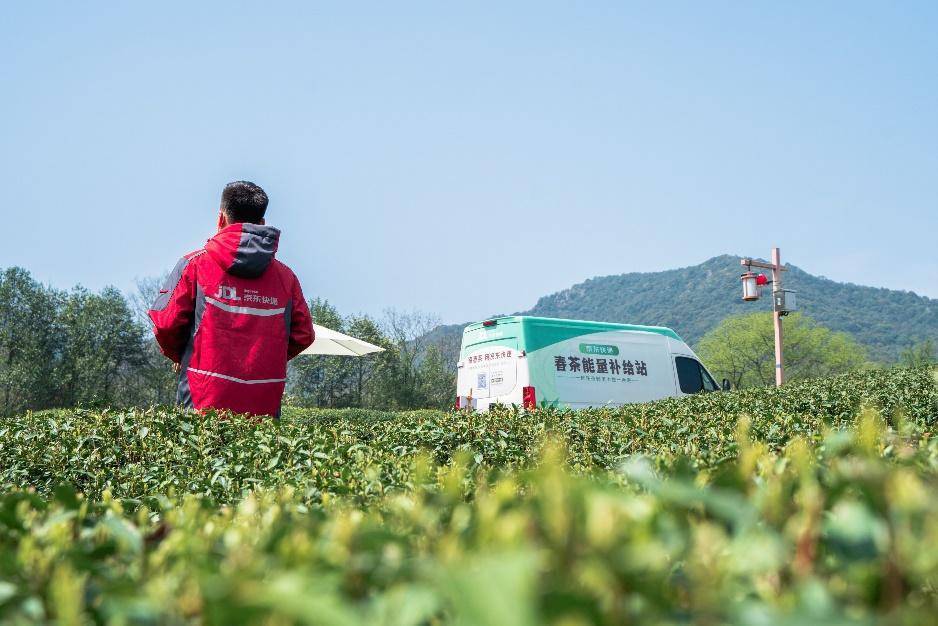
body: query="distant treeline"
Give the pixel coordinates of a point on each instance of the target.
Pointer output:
(413, 371)
(63, 348)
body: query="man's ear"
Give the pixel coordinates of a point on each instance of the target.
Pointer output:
(262, 222)
(222, 220)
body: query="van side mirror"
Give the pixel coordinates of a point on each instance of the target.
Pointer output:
(726, 384)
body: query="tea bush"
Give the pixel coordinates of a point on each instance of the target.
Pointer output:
(139, 454)
(813, 504)
(830, 535)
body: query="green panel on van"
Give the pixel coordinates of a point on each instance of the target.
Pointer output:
(534, 333)
(476, 336)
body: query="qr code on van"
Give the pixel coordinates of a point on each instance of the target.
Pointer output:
(483, 382)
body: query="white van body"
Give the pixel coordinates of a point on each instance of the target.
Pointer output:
(536, 361)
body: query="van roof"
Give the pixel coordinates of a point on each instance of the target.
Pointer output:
(573, 327)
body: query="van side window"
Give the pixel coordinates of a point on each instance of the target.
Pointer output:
(692, 377)
(688, 374)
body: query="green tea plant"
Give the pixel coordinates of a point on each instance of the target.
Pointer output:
(141, 454)
(812, 504)
(834, 534)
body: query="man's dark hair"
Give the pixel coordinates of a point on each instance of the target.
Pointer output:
(243, 201)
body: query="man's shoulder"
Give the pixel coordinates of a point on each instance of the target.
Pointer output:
(193, 254)
(282, 268)
(192, 258)
(183, 264)
(287, 277)
(184, 267)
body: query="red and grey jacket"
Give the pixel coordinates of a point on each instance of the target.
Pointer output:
(232, 316)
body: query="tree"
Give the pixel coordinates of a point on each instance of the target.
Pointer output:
(323, 381)
(437, 377)
(156, 380)
(920, 355)
(742, 349)
(402, 380)
(367, 368)
(140, 301)
(102, 347)
(410, 373)
(28, 342)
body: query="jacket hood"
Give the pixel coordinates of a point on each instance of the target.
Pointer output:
(244, 250)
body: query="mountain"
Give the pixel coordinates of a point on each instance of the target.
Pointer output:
(693, 300)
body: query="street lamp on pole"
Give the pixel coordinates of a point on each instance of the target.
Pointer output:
(783, 300)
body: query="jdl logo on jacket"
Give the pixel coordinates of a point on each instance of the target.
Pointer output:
(227, 293)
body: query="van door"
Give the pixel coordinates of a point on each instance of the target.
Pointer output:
(490, 371)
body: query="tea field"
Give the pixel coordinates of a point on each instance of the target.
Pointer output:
(814, 504)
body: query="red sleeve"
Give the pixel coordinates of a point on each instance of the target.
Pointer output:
(173, 310)
(301, 323)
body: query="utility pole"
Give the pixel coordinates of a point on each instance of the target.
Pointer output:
(780, 308)
(777, 317)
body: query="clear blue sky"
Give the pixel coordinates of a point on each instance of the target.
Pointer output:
(465, 160)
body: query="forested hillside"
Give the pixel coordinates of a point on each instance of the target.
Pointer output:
(693, 300)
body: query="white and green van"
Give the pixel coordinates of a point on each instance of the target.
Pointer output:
(536, 361)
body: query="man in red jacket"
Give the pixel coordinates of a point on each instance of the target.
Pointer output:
(231, 315)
